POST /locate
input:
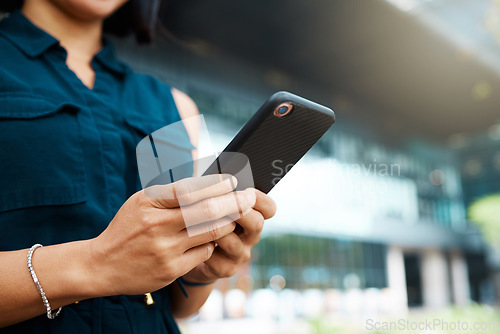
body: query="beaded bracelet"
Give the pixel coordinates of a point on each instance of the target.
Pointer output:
(50, 315)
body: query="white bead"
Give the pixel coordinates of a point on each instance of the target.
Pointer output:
(50, 315)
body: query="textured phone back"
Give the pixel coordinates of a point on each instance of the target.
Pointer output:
(272, 143)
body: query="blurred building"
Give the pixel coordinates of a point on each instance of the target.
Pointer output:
(358, 213)
(479, 157)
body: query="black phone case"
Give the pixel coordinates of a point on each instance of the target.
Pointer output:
(267, 140)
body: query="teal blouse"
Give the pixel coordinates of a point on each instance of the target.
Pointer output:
(67, 163)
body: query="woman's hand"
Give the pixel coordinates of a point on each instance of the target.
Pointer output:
(234, 249)
(147, 246)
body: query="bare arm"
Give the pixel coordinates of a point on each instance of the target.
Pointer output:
(64, 271)
(183, 307)
(187, 110)
(148, 234)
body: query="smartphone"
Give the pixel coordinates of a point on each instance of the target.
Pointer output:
(277, 136)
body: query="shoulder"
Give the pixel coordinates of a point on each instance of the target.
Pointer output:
(10, 54)
(16, 70)
(188, 109)
(163, 98)
(185, 105)
(6, 46)
(146, 83)
(147, 87)
(146, 95)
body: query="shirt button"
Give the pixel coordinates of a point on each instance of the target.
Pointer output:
(149, 299)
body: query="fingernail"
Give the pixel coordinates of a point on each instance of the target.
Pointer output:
(246, 211)
(231, 180)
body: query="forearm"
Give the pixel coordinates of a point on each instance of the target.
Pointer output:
(64, 271)
(182, 306)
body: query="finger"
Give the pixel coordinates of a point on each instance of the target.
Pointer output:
(221, 266)
(196, 255)
(218, 207)
(231, 245)
(172, 221)
(190, 190)
(252, 224)
(203, 233)
(264, 204)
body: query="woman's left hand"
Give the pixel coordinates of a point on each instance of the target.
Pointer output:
(234, 250)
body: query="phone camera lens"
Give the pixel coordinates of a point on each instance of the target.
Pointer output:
(283, 109)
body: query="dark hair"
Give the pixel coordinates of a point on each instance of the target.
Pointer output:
(137, 17)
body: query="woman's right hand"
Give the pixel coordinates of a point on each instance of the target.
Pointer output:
(146, 246)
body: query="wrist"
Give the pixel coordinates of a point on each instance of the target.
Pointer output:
(189, 282)
(197, 277)
(63, 271)
(95, 270)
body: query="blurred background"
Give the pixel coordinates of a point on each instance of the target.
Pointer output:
(394, 213)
